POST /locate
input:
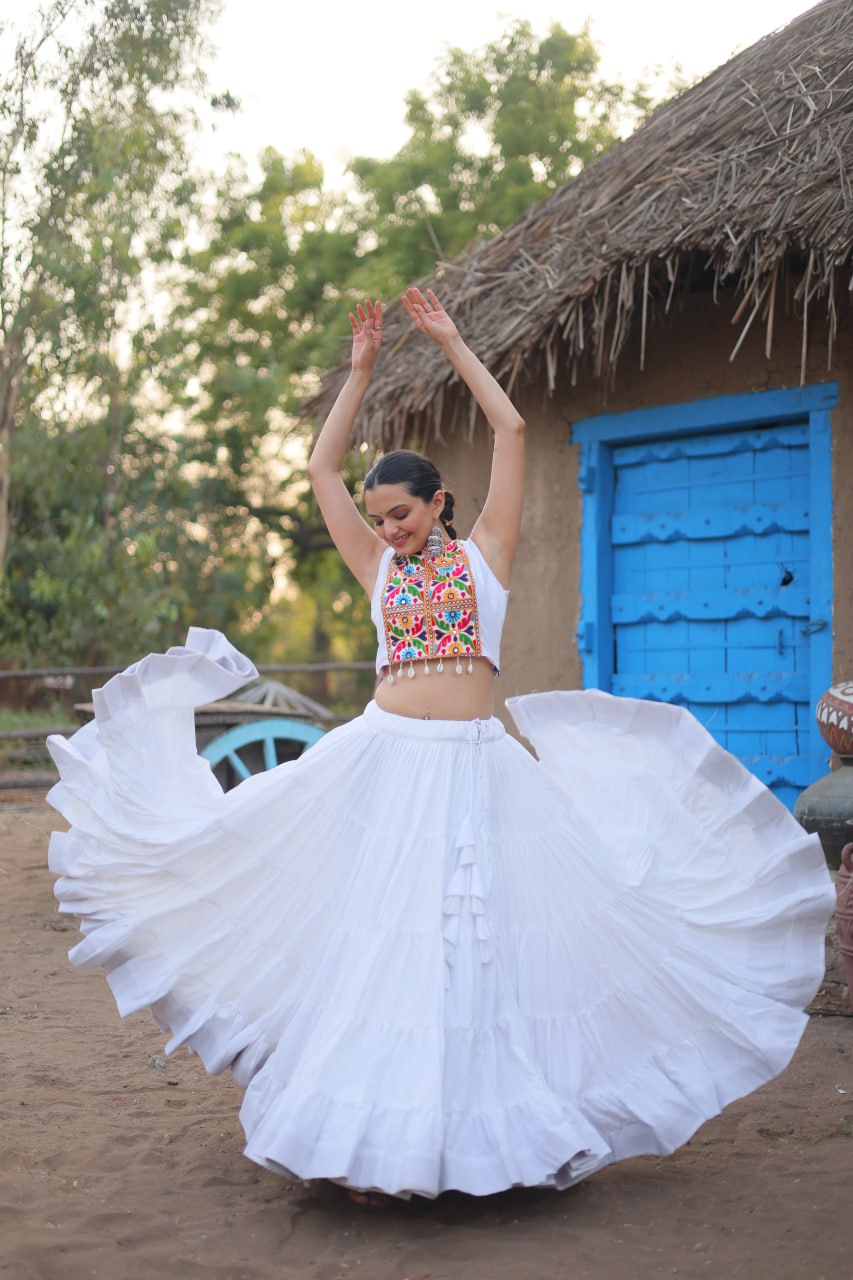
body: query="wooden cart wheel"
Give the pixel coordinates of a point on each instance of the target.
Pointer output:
(257, 746)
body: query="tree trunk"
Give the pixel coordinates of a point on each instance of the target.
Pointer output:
(322, 646)
(12, 367)
(112, 463)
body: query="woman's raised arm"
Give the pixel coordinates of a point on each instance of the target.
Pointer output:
(360, 548)
(497, 529)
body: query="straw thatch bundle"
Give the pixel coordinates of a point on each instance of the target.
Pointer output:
(747, 175)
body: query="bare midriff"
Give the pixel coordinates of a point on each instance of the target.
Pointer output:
(442, 695)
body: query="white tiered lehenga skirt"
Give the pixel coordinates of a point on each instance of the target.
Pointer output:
(433, 962)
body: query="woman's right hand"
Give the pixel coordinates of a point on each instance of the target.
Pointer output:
(366, 335)
(428, 315)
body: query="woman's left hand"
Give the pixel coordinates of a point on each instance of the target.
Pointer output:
(428, 315)
(366, 327)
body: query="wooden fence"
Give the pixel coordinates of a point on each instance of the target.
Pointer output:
(74, 673)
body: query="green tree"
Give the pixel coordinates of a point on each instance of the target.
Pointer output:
(117, 550)
(263, 304)
(251, 308)
(117, 528)
(258, 305)
(502, 128)
(93, 189)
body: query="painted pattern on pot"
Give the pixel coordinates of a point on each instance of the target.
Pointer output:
(834, 714)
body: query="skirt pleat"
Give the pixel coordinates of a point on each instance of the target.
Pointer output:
(432, 960)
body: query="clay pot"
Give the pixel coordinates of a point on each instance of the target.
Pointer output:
(844, 914)
(834, 714)
(826, 807)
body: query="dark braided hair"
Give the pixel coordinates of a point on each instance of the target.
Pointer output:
(420, 477)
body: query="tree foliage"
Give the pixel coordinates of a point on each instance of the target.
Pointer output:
(121, 539)
(502, 128)
(93, 184)
(265, 300)
(100, 521)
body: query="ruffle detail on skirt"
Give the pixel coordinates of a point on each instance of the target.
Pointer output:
(704, 854)
(433, 962)
(360, 1134)
(466, 887)
(683, 820)
(141, 744)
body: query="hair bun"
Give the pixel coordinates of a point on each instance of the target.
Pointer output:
(446, 516)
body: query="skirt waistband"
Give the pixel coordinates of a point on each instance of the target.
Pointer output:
(474, 731)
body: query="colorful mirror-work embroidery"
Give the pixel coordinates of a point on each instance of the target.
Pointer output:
(429, 608)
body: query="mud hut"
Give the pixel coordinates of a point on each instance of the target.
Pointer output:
(675, 325)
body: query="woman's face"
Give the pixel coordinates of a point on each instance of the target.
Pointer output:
(401, 519)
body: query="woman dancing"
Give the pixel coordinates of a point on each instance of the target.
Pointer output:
(432, 961)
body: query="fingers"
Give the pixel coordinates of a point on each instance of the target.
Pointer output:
(416, 297)
(432, 304)
(417, 307)
(414, 311)
(420, 307)
(367, 318)
(374, 314)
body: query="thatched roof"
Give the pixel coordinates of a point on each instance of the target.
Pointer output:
(747, 175)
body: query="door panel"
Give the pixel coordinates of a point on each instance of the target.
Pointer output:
(710, 577)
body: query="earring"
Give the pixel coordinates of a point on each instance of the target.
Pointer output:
(435, 542)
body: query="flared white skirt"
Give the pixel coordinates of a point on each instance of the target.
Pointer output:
(433, 961)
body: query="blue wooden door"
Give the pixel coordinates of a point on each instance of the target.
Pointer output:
(711, 603)
(705, 560)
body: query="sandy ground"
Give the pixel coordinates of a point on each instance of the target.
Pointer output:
(117, 1163)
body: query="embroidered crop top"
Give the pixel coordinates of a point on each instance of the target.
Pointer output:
(426, 609)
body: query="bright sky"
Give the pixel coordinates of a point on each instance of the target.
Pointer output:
(331, 76)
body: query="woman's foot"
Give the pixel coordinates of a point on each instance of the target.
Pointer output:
(374, 1199)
